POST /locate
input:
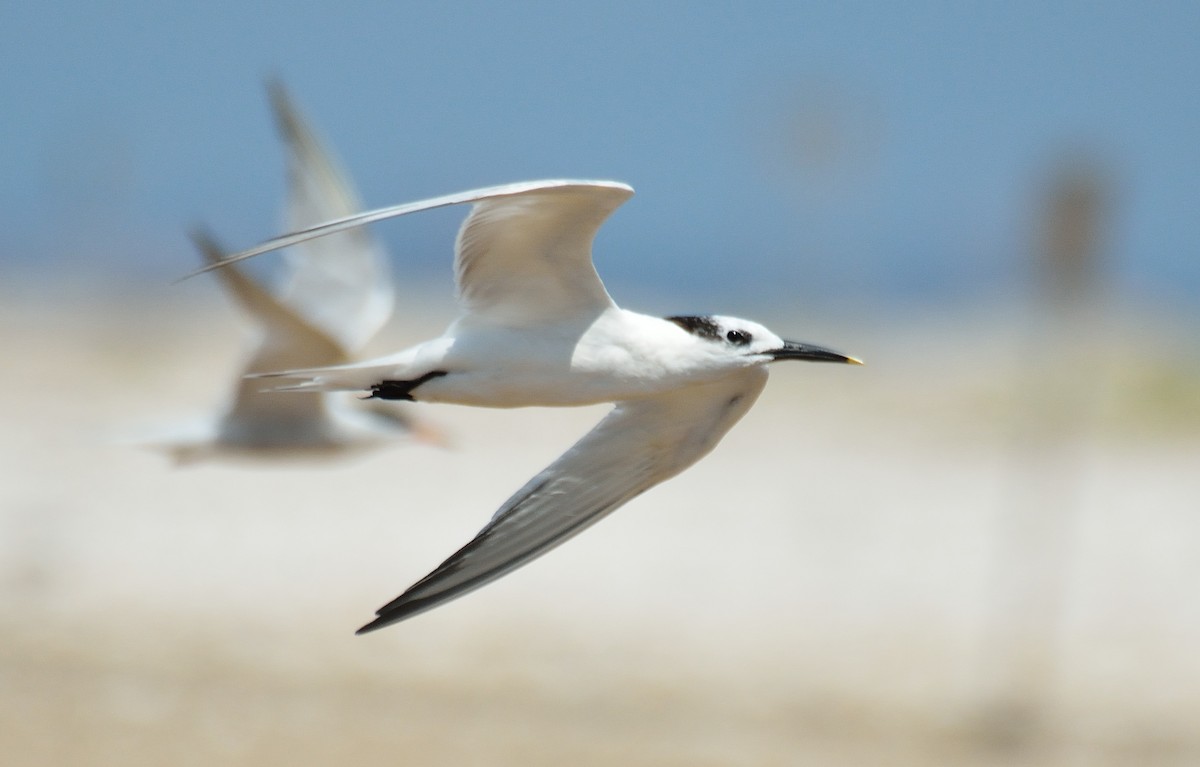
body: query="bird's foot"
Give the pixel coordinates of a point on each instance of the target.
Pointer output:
(401, 390)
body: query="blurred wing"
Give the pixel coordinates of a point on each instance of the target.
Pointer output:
(526, 257)
(564, 231)
(341, 283)
(636, 446)
(287, 341)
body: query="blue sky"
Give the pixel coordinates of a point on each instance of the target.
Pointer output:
(810, 149)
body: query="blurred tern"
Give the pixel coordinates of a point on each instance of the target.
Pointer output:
(538, 328)
(336, 297)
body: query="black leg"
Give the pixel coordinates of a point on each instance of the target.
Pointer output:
(401, 390)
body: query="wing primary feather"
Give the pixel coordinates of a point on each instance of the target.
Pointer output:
(635, 447)
(361, 219)
(409, 604)
(265, 307)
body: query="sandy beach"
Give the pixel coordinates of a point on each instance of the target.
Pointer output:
(901, 564)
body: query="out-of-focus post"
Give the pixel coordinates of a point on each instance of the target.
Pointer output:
(1059, 379)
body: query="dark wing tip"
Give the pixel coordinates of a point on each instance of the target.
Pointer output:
(287, 121)
(207, 244)
(372, 626)
(399, 609)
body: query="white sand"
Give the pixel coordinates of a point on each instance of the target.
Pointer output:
(823, 589)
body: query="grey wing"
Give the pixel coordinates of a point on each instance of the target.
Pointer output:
(287, 333)
(286, 340)
(526, 258)
(361, 219)
(638, 445)
(341, 283)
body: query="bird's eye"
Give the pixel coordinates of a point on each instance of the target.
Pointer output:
(738, 337)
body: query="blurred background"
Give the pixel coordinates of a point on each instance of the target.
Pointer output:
(980, 548)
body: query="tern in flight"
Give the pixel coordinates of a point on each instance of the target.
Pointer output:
(336, 296)
(537, 328)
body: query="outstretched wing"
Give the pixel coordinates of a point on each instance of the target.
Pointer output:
(635, 447)
(524, 254)
(341, 283)
(288, 334)
(526, 257)
(287, 339)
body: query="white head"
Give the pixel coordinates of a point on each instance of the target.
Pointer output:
(749, 343)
